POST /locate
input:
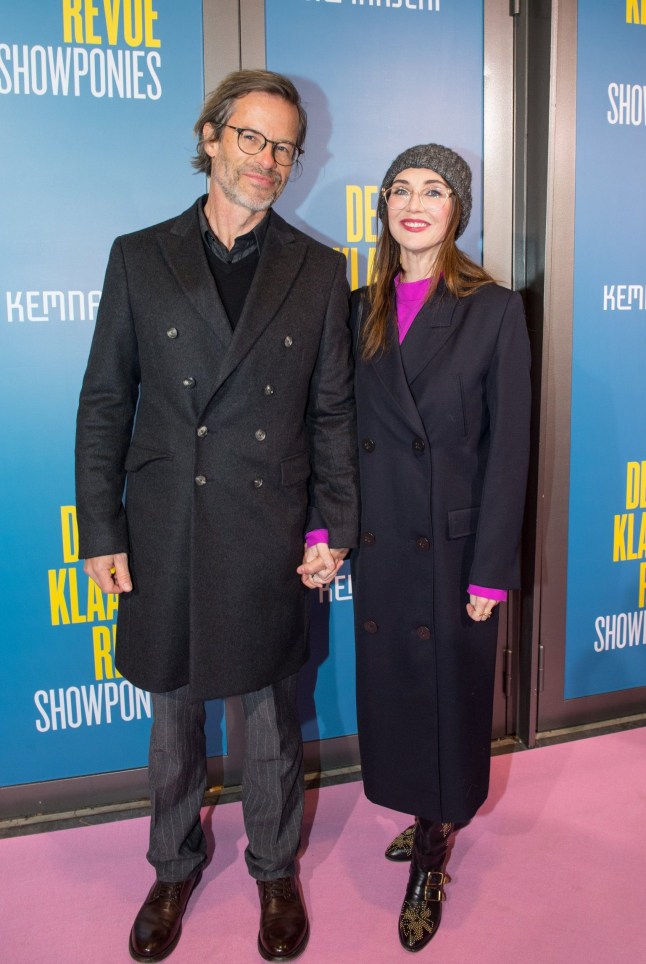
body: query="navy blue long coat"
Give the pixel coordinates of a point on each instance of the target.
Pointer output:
(443, 426)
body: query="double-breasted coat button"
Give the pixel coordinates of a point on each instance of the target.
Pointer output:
(368, 539)
(368, 445)
(268, 389)
(200, 480)
(422, 543)
(172, 333)
(257, 483)
(260, 435)
(370, 626)
(288, 341)
(188, 382)
(202, 431)
(418, 444)
(423, 632)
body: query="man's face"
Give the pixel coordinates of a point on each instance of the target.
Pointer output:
(252, 181)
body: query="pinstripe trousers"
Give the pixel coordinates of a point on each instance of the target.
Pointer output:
(272, 782)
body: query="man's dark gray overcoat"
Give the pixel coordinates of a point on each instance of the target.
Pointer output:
(242, 440)
(443, 433)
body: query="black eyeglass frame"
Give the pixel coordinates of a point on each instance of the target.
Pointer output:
(298, 151)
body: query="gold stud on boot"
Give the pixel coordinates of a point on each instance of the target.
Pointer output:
(421, 911)
(401, 847)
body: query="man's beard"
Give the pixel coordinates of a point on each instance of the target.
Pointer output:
(229, 182)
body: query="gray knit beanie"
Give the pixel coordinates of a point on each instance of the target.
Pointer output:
(445, 162)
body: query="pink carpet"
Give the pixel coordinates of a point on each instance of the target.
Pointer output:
(553, 869)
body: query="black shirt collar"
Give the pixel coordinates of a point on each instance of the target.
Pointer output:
(244, 245)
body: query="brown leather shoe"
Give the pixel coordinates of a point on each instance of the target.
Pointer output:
(158, 925)
(284, 928)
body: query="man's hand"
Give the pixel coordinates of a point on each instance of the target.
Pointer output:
(110, 573)
(320, 564)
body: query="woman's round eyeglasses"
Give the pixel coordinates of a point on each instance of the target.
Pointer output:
(432, 198)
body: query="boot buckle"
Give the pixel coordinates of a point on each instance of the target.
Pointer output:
(433, 885)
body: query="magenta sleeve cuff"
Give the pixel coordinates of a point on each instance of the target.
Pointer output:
(500, 595)
(316, 535)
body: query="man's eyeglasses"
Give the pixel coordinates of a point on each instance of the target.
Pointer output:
(253, 142)
(432, 198)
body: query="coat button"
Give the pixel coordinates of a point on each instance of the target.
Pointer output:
(202, 431)
(200, 480)
(172, 333)
(268, 389)
(368, 445)
(188, 382)
(368, 539)
(288, 341)
(423, 544)
(257, 483)
(260, 435)
(370, 626)
(423, 632)
(418, 444)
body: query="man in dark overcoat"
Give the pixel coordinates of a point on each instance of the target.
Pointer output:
(218, 398)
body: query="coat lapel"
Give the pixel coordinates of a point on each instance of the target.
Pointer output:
(184, 251)
(398, 368)
(280, 261)
(389, 369)
(430, 330)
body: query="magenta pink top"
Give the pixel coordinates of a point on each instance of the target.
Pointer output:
(409, 296)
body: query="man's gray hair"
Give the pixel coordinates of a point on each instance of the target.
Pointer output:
(220, 104)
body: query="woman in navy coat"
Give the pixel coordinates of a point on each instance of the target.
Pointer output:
(443, 396)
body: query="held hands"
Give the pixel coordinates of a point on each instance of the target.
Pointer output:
(320, 564)
(110, 573)
(480, 608)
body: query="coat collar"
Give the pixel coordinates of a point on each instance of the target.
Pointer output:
(389, 370)
(183, 249)
(398, 368)
(432, 327)
(280, 260)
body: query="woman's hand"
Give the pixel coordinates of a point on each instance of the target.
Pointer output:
(480, 608)
(320, 565)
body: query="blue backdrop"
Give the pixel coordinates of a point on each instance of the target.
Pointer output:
(606, 592)
(96, 121)
(96, 140)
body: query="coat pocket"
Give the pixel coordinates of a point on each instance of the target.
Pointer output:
(295, 469)
(138, 456)
(463, 522)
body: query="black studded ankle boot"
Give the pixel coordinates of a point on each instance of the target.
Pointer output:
(421, 911)
(401, 848)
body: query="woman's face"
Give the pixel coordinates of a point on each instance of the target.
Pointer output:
(419, 228)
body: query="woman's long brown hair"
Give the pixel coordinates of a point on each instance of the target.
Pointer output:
(460, 274)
